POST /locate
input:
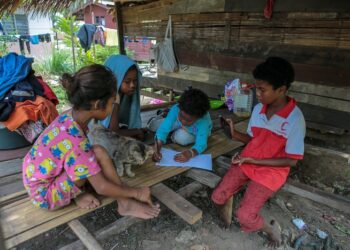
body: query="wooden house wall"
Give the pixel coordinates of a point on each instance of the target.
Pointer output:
(223, 39)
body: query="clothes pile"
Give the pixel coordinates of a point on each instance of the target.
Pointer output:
(27, 103)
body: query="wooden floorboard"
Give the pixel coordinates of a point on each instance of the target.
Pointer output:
(6, 155)
(10, 167)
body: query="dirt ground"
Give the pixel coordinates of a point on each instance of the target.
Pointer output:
(168, 231)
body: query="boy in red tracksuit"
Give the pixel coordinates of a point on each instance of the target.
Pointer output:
(275, 142)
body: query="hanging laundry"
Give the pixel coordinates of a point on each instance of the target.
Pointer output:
(268, 9)
(2, 31)
(47, 38)
(13, 69)
(24, 39)
(100, 36)
(112, 37)
(41, 38)
(41, 108)
(85, 35)
(145, 40)
(34, 39)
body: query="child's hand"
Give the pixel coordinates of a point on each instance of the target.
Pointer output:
(144, 195)
(183, 156)
(157, 156)
(237, 159)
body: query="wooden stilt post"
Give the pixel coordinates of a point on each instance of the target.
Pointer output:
(119, 19)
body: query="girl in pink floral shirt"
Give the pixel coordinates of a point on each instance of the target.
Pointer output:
(62, 160)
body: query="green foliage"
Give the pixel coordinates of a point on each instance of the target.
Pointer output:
(3, 48)
(63, 25)
(61, 95)
(56, 64)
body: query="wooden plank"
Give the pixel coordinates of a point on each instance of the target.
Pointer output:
(154, 95)
(156, 106)
(176, 203)
(10, 167)
(5, 200)
(325, 116)
(205, 177)
(321, 101)
(11, 184)
(197, 6)
(125, 222)
(288, 5)
(304, 72)
(84, 235)
(11, 154)
(317, 195)
(24, 221)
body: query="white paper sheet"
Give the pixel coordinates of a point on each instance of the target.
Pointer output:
(203, 161)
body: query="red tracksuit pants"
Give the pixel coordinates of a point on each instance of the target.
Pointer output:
(254, 198)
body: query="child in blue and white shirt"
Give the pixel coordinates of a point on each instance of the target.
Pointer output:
(190, 122)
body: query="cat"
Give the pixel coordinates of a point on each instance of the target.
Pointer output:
(124, 151)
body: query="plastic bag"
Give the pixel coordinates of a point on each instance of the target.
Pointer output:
(163, 52)
(239, 97)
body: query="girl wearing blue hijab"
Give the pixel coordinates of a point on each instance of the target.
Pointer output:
(126, 109)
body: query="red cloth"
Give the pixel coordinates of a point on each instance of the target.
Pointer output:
(253, 200)
(41, 108)
(49, 94)
(268, 9)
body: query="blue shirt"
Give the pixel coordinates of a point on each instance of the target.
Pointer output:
(201, 128)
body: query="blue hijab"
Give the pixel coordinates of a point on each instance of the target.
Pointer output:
(129, 107)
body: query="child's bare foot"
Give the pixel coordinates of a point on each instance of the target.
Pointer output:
(87, 201)
(225, 212)
(137, 209)
(273, 230)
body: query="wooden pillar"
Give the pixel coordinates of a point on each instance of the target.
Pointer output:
(119, 19)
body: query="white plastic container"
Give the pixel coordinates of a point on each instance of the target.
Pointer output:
(239, 97)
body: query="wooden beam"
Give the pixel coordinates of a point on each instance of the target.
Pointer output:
(125, 222)
(154, 95)
(205, 177)
(317, 195)
(156, 106)
(176, 203)
(288, 5)
(84, 235)
(304, 72)
(118, 8)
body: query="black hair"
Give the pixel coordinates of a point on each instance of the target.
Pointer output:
(276, 71)
(90, 83)
(194, 102)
